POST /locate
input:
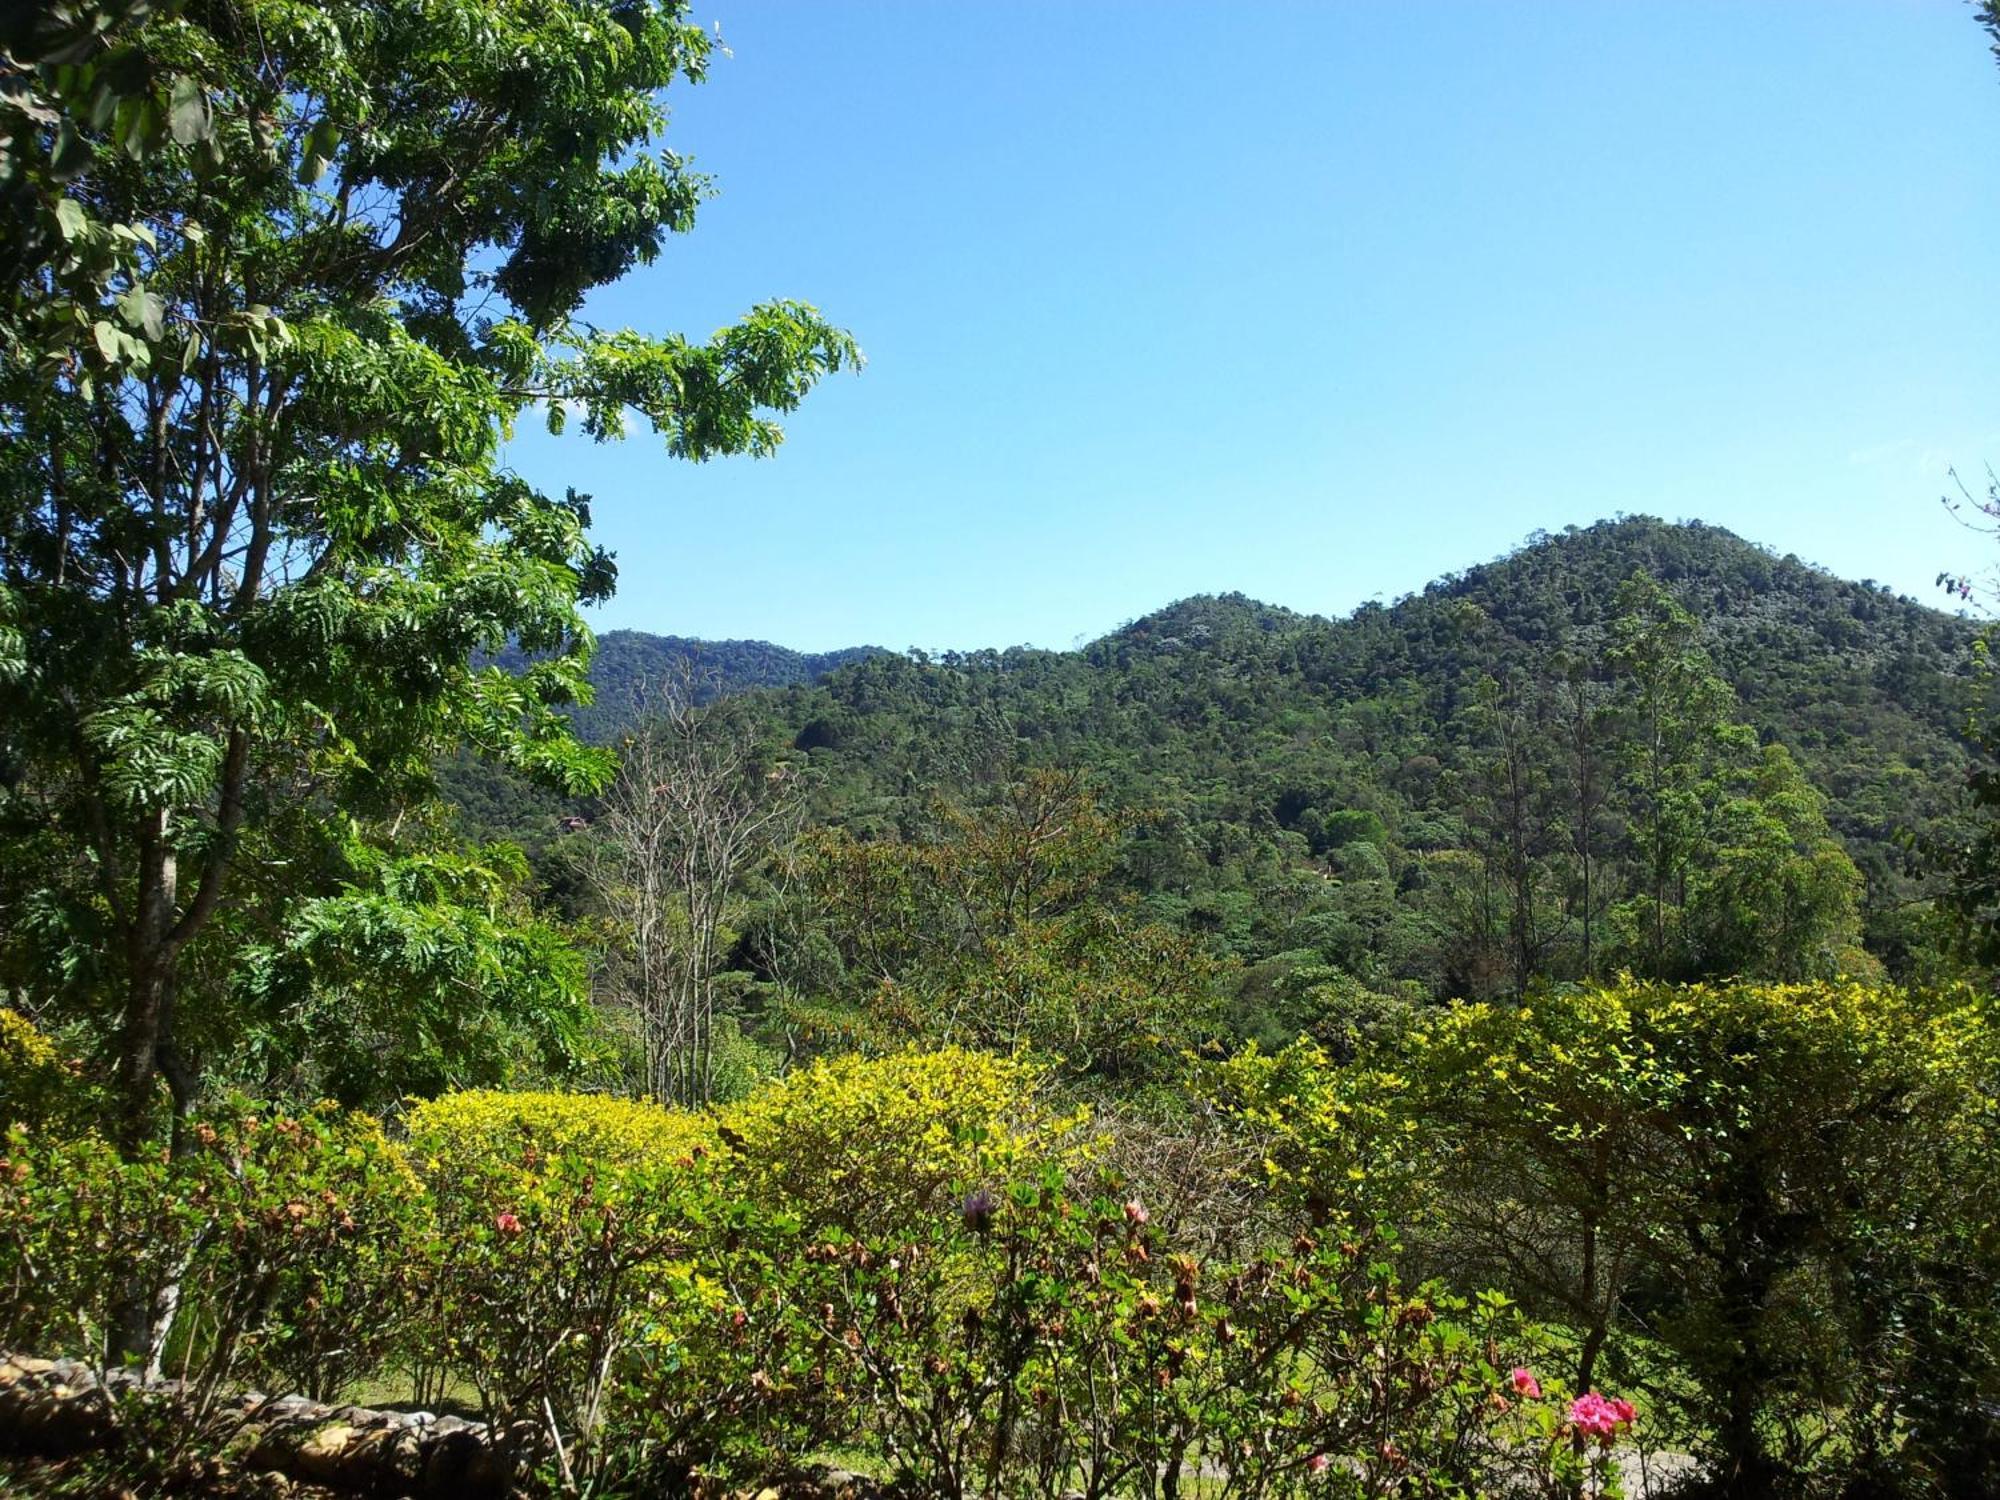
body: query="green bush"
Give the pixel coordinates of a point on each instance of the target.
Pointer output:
(561, 1242)
(1033, 1339)
(1789, 1187)
(36, 1082)
(272, 1248)
(308, 1264)
(79, 1230)
(865, 1145)
(904, 1257)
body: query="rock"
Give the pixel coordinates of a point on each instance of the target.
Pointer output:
(458, 1463)
(324, 1454)
(57, 1408)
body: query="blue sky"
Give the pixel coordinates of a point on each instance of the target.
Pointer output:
(1314, 301)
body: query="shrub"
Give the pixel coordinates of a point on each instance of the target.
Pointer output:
(79, 1228)
(480, 1131)
(1337, 1144)
(561, 1242)
(1783, 1183)
(867, 1145)
(273, 1247)
(1032, 1339)
(37, 1083)
(730, 1379)
(307, 1266)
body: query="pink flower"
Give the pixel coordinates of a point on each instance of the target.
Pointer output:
(1601, 1418)
(1524, 1383)
(1135, 1212)
(1318, 1463)
(506, 1223)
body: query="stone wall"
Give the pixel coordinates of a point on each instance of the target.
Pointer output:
(57, 1408)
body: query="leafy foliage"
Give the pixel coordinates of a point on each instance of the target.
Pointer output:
(864, 1145)
(1758, 1177)
(1636, 746)
(269, 309)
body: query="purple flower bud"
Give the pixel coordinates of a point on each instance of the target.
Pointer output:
(978, 1210)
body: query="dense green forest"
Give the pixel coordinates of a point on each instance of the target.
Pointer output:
(1303, 794)
(1532, 1039)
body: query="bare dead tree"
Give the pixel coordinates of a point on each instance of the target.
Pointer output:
(694, 809)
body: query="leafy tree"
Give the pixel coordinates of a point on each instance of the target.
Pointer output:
(1780, 1184)
(278, 280)
(1584, 730)
(999, 931)
(1517, 821)
(1305, 793)
(1678, 715)
(1537, 1117)
(1776, 896)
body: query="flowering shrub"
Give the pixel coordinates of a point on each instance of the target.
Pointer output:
(1547, 1443)
(78, 1227)
(1335, 1141)
(559, 1245)
(1033, 1338)
(35, 1080)
(1787, 1186)
(307, 1265)
(731, 1376)
(273, 1247)
(651, 1302)
(1600, 1417)
(479, 1131)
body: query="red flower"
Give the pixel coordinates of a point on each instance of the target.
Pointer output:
(1595, 1416)
(506, 1223)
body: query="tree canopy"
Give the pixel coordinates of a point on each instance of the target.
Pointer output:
(279, 279)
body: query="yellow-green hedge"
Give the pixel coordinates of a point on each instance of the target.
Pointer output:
(863, 1143)
(480, 1124)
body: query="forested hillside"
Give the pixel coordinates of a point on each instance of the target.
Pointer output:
(1393, 794)
(629, 662)
(628, 666)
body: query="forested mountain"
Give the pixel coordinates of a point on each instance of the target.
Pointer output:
(630, 668)
(631, 663)
(1393, 794)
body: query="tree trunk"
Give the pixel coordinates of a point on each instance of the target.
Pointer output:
(149, 984)
(147, 1054)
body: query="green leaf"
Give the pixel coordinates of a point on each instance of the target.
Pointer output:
(142, 310)
(71, 153)
(135, 126)
(109, 340)
(187, 115)
(320, 143)
(71, 219)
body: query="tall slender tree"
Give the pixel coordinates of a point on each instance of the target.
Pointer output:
(1677, 729)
